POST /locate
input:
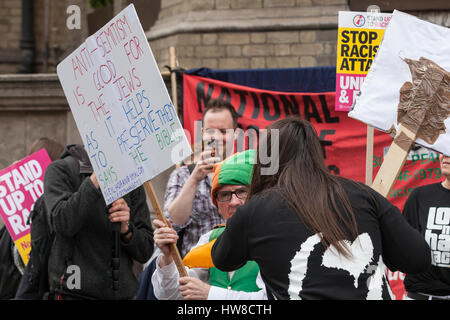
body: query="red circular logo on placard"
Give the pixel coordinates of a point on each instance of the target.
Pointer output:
(359, 20)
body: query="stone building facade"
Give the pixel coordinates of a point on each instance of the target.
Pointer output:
(235, 34)
(52, 39)
(34, 105)
(10, 29)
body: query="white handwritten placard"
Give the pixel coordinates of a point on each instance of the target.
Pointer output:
(121, 106)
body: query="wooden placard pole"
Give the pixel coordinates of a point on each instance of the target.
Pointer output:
(160, 215)
(173, 81)
(394, 160)
(369, 155)
(173, 77)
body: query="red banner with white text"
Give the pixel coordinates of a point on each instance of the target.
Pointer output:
(343, 138)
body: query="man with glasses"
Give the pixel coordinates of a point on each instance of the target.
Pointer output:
(205, 282)
(187, 202)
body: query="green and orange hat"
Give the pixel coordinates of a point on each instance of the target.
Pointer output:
(236, 169)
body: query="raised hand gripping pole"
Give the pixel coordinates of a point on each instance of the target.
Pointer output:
(159, 213)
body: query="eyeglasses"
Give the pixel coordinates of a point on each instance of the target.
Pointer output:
(208, 132)
(225, 196)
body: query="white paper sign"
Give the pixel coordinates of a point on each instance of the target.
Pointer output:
(405, 37)
(123, 112)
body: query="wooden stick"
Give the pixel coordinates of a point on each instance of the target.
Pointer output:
(173, 77)
(369, 155)
(394, 160)
(159, 213)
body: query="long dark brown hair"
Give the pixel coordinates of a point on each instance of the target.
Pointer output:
(306, 184)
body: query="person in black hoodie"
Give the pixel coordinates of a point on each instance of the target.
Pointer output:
(315, 235)
(80, 262)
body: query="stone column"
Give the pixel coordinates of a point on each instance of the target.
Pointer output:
(27, 41)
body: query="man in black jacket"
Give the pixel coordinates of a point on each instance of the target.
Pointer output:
(80, 263)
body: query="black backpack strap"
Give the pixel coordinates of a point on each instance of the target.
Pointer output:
(35, 211)
(34, 282)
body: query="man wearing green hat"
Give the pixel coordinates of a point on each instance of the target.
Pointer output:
(205, 282)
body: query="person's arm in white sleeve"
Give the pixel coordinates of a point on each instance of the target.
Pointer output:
(165, 280)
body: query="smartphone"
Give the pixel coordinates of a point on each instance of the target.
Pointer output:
(212, 144)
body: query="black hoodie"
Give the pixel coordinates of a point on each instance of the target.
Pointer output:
(83, 239)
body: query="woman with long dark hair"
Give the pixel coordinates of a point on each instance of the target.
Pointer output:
(313, 234)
